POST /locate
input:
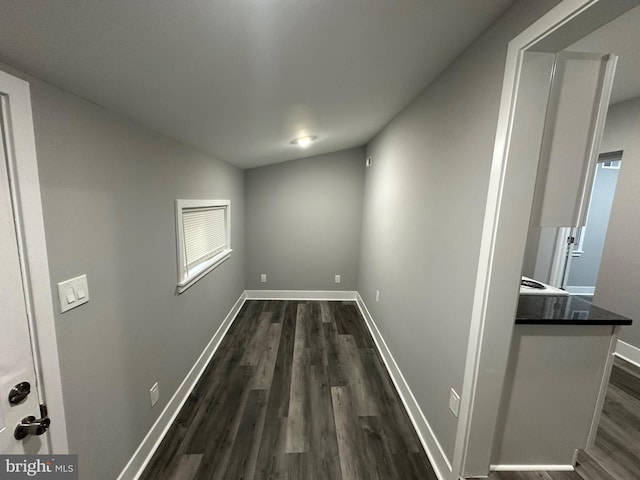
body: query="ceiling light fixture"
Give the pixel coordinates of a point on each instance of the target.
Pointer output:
(305, 141)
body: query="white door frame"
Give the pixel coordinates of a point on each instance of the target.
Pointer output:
(23, 164)
(495, 297)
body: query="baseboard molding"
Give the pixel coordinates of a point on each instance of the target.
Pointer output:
(134, 468)
(437, 457)
(532, 468)
(580, 290)
(628, 352)
(299, 295)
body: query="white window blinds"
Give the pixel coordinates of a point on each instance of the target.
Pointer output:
(203, 238)
(204, 234)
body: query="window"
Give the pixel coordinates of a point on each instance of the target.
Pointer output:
(611, 159)
(203, 238)
(615, 164)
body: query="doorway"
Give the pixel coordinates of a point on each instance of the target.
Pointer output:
(583, 264)
(28, 341)
(18, 377)
(506, 224)
(569, 258)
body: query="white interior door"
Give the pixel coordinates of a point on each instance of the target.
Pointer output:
(16, 356)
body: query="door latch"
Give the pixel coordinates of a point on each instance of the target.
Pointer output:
(31, 426)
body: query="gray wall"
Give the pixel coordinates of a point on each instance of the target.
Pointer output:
(108, 189)
(303, 222)
(619, 276)
(584, 269)
(423, 213)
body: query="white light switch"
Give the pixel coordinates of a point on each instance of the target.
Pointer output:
(73, 293)
(70, 296)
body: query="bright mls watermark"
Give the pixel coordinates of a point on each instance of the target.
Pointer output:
(51, 467)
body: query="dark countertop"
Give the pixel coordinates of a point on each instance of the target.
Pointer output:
(542, 310)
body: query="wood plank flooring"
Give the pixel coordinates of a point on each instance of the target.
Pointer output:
(616, 453)
(296, 390)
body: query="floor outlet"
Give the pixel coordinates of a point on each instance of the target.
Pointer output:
(154, 394)
(454, 402)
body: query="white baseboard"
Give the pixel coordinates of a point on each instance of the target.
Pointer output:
(532, 468)
(299, 295)
(580, 290)
(134, 468)
(437, 457)
(628, 352)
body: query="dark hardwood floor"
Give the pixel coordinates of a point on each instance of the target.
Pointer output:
(296, 390)
(616, 453)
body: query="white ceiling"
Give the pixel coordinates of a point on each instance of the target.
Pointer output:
(622, 37)
(240, 78)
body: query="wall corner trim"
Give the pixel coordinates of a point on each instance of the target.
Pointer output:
(628, 352)
(437, 457)
(141, 457)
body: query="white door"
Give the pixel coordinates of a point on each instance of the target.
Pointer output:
(16, 356)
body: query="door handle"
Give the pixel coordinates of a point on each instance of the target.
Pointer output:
(19, 393)
(31, 426)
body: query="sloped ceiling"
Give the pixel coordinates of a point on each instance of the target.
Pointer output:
(240, 78)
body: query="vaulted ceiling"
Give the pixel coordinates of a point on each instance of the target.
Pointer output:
(240, 78)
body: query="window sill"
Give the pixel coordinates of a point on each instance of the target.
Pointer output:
(203, 270)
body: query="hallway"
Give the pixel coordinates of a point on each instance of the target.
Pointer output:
(296, 390)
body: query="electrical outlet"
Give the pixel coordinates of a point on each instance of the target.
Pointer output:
(337, 279)
(454, 402)
(369, 161)
(154, 394)
(263, 278)
(377, 295)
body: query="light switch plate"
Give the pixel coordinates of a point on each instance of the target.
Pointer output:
(73, 292)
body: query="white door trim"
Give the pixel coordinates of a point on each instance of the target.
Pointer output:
(473, 405)
(23, 160)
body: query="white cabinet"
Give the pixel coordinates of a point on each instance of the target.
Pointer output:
(576, 111)
(553, 394)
